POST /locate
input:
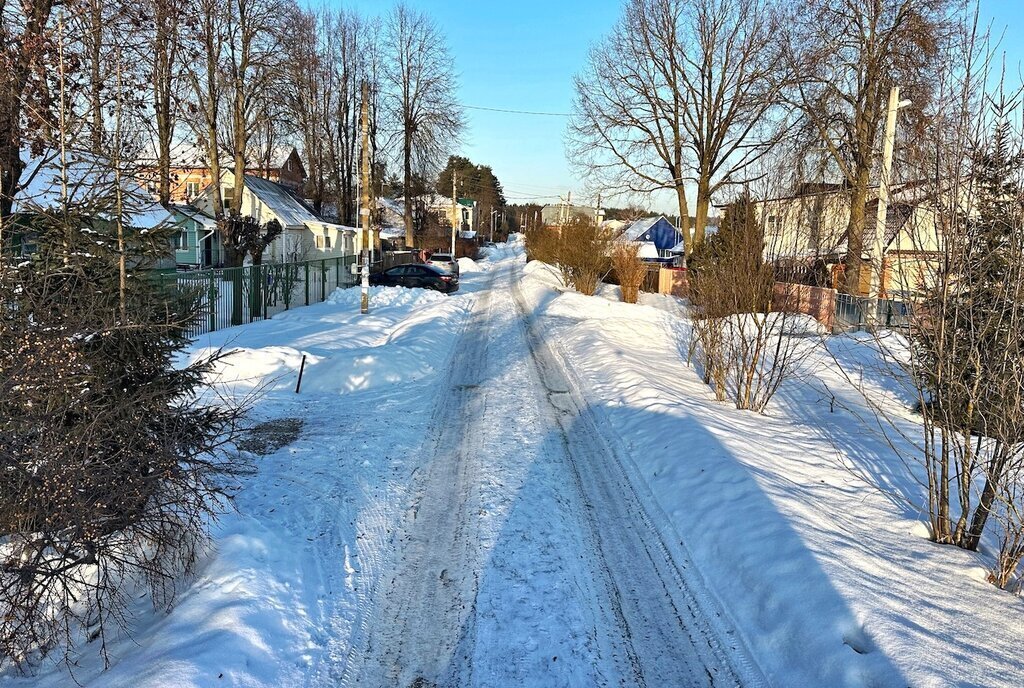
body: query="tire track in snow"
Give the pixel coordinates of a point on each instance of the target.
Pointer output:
(674, 626)
(423, 612)
(629, 618)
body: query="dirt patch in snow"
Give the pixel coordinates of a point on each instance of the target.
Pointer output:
(268, 437)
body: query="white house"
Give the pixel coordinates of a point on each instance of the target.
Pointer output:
(306, 236)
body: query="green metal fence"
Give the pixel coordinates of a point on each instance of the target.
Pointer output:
(236, 296)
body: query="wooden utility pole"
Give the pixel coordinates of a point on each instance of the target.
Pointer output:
(455, 214)
(364, 212)
(878, 245)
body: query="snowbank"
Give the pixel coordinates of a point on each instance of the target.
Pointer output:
(800, 519)
(386, 297)
(468, 265)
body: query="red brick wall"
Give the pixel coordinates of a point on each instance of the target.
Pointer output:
(817, 302)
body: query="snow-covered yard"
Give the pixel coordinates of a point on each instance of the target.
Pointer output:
(347, 560)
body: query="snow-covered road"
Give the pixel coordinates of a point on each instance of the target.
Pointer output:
(518, 485)
(525, 557)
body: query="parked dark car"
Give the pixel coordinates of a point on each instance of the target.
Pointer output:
(422, 276)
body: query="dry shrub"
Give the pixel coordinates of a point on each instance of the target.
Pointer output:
(629, 269)
(579, 250)
(746, 349)
(542, 244)
(583, 254)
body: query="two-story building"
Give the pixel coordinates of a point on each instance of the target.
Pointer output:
(806, 233)
(191, 174)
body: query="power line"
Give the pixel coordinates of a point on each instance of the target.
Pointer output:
(518, 112)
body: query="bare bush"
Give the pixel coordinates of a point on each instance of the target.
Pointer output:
(584, 249)
(579, 251)
(745, 344)
(629, 269)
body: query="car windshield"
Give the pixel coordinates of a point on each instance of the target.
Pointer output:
(441, 257)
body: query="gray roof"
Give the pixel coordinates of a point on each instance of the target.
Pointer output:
(291, 210)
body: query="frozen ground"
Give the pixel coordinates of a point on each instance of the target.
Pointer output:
(522, 486)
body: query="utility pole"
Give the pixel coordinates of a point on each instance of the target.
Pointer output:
(456, 214)
(364, 212)
(878, 244)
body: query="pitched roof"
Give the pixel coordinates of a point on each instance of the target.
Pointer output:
(638, 228)
(45, 185)
(289, 208)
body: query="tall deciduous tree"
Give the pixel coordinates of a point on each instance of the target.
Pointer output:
(628, 131)
(24, 53)
(845, 55)
(689, 98)
(252, 68)
(162, 53)
(420, 97)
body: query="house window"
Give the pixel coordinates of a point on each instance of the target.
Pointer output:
(191, 190)
(181, 240)
(324, 240)
(319, 241)
(773, 224)
(227, 195)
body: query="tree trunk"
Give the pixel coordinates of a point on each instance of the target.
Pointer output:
(703, 205)
(410, 239)
(96, 74)
(11, 165)
(684, 218)
(855, 233)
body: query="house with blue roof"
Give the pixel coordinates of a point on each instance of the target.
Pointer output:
(655, 234)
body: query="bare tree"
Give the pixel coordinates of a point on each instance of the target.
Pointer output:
(252, 66)
(206, 38)
(24, 96)
(162, 54)
(845, 55)
(420, 97)
(733, 74)
(628, 130)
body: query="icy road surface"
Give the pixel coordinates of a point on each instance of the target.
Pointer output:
(525, 557)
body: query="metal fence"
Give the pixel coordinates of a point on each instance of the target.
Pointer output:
(852, 313)
(235, 296)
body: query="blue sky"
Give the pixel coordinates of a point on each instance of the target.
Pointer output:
(522, 55)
